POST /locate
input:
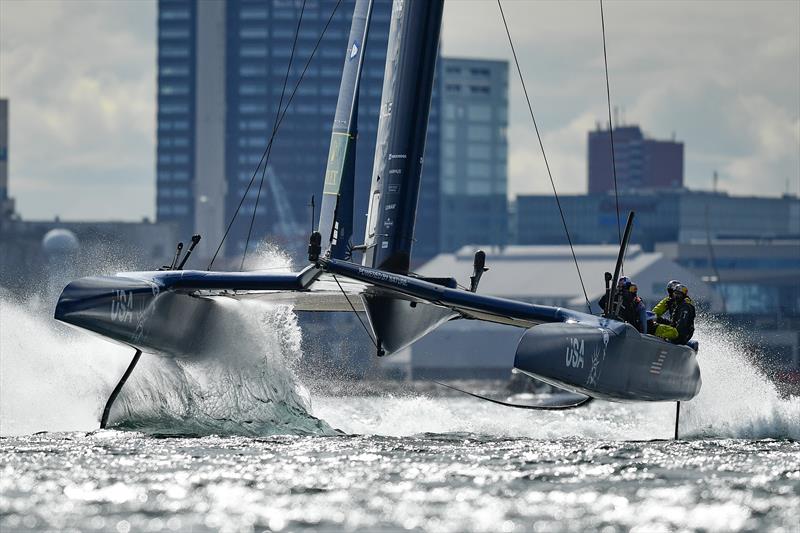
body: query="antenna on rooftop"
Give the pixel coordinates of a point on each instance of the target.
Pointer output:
(715, 181)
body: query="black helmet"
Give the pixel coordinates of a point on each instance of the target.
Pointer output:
(671, 286)
(681, 291)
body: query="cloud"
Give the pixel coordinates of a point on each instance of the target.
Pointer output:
(723, 76)
(80, 77)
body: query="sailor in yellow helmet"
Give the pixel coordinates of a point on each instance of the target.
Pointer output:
(680, 327)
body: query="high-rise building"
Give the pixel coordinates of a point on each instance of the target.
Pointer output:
(6, 203)
(641, 163)
(474, 152)
(222, 67)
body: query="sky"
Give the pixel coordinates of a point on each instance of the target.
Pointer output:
(723, 77)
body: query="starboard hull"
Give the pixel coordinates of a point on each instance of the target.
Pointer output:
(613, 363)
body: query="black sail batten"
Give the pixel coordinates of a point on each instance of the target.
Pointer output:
(336, 212)
(405, 106)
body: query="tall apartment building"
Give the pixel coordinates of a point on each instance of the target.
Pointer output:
(641, 163)
(474, 152)
(221, 73)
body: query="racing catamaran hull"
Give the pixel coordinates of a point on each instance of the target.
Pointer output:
(615, 362)
(164, 313)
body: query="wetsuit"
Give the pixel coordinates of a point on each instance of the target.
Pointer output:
(634, 312)
(683, 320)
(631, 310)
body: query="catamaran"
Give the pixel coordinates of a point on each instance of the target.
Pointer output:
(161, 312)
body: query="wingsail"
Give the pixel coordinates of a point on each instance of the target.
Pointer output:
(336, 214)
(402, 127)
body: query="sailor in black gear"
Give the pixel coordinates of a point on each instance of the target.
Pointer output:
(627, 305)
(621, 284)
(683, 315)
(633, 310)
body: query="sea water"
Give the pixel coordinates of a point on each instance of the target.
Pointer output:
(235, 442)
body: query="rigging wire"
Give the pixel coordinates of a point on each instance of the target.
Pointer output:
(374, 342)
(272, 137)
(274, 129)
(544, 155)
(610, 125)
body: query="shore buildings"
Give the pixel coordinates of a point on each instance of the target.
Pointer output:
(661, 216)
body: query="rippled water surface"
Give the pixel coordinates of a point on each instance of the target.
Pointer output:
(112, 480)
(242, 440)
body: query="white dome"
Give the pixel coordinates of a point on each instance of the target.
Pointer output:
(60, 241)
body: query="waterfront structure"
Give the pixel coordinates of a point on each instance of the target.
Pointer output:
(31, 246)
(474, 152)
(661, 216)
(221, 73)
(641, 162)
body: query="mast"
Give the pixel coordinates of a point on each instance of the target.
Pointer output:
(405, 105)
(336, 212)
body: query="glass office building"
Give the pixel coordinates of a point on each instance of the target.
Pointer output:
(474, 152)
(222, 67)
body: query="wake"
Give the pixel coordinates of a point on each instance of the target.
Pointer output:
(735, 401)
(243, 380)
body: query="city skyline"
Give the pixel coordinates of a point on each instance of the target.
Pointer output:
(83, 123)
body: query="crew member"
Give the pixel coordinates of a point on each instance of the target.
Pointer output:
(682, 314)
(622, 282)
(627, 305)
(667, 304)
(639, 309)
